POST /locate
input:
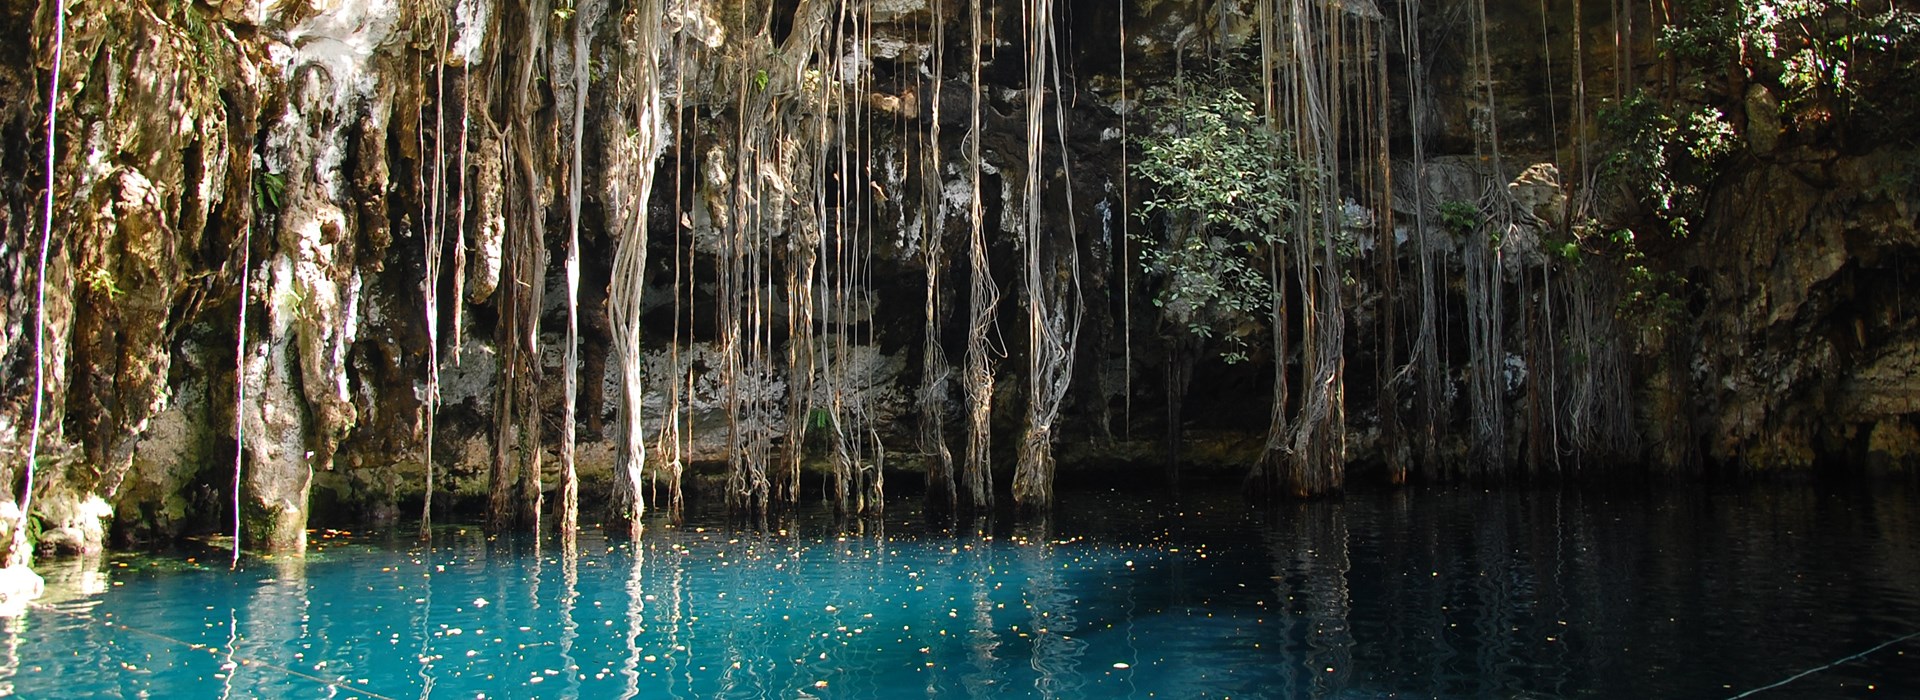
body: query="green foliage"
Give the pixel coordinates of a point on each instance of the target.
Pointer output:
(1463, 218)
(1706, 36)
(269, 189)
(1459, 218)
(1649, 299)
(1810, 39)
(1222, 188)
(1211, 157)
(1211, 287)
(36, 529)
(101, 281)
(1666, 162)
(1822, 53)
(207, 44)
(1652, 300)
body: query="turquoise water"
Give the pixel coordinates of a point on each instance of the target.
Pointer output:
(1449, 593)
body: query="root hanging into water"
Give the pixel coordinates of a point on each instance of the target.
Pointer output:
(1052, 271)
(1314, 50)
(514, 496)
(635, 141)
(588, 15)
(434, 234)
(19, 554)
(934, 368)
(976, 473)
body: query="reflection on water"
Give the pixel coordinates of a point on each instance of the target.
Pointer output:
(1432, 594)
(1310, 564)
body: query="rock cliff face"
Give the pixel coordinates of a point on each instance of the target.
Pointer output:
(301, 239)
(1805, 349)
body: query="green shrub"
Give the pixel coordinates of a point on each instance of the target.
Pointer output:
(1667, 163)
(1223, 191)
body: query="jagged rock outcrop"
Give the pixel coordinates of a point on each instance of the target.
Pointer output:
(1805, 350)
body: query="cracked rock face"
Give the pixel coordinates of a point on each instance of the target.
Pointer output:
(1806, 346)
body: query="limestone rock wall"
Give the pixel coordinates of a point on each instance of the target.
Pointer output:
(294, 155)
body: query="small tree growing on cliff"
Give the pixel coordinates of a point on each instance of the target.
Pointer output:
(1222, 185)
(1667, 163)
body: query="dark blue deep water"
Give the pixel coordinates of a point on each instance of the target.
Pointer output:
(1442, 593)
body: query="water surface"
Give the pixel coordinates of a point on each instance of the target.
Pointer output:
(1444, 593)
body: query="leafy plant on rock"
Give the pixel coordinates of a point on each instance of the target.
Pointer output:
(1667, 162)
(1222, 193)
(1824, 56)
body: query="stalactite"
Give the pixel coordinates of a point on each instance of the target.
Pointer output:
(333, 218)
